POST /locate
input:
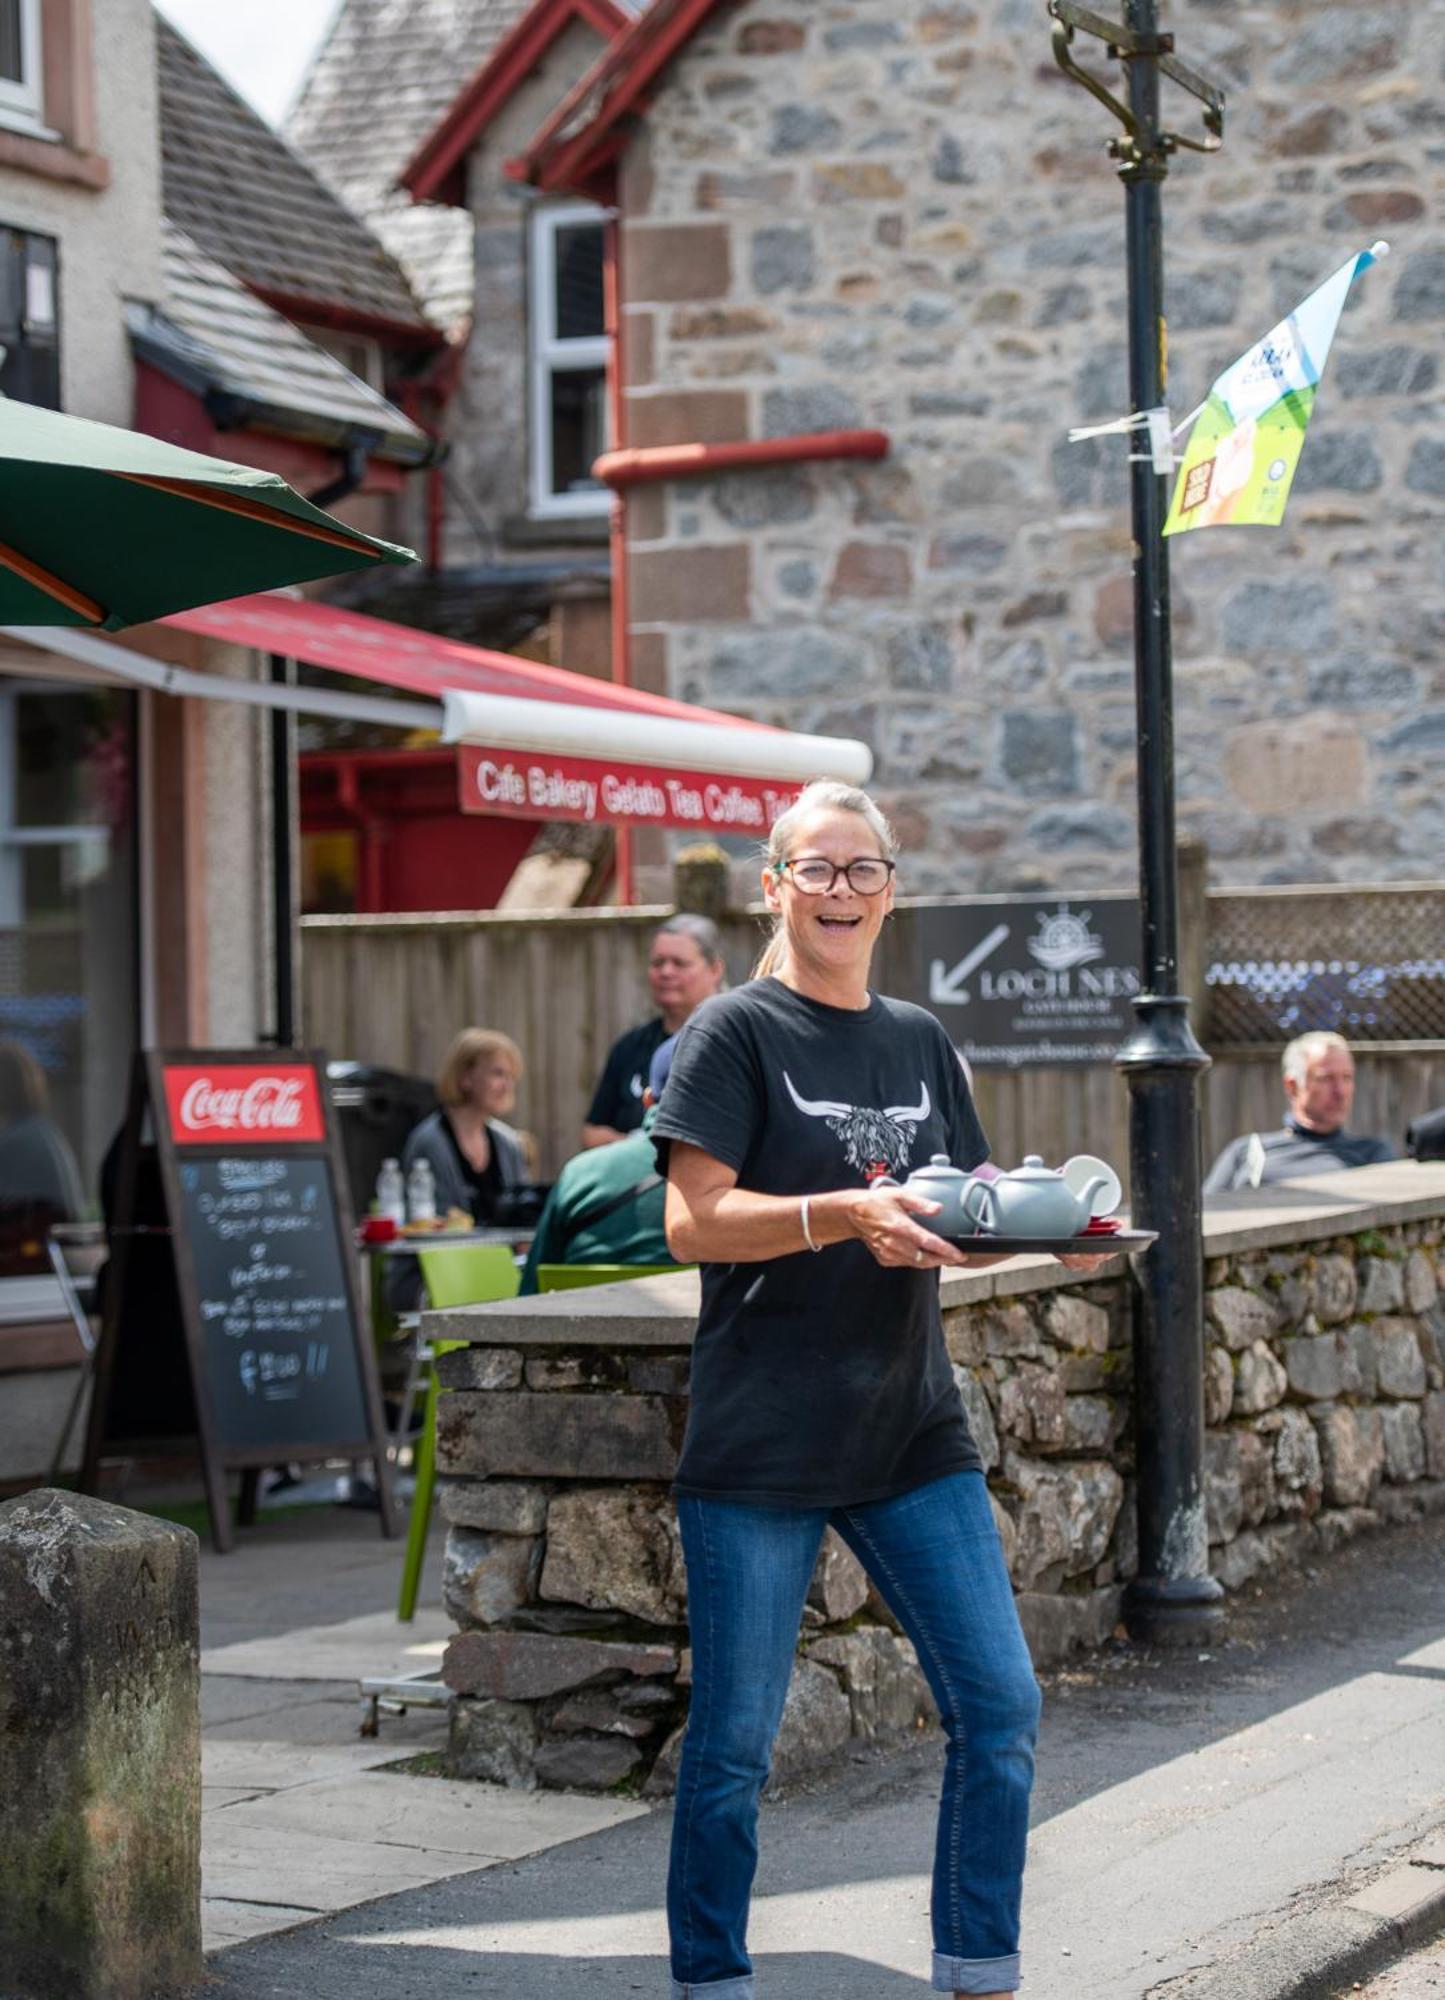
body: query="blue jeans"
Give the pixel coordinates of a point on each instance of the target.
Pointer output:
(934, 1556)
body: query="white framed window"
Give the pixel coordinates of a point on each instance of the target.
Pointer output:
(22, 99)
(568, 334)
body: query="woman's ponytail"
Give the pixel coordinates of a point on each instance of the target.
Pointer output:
(774, 953)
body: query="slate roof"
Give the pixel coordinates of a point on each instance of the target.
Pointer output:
(246, 199)
(221, 342)
(386, 75)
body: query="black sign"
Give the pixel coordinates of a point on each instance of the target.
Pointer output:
(258, 1218)
(1032, 979)
(272, 1295)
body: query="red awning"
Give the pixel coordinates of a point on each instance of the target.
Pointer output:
(401, 656)
(541, 743)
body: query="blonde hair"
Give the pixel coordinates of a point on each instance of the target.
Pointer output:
(474, 1045)
(823, 795)
(1304, 1048)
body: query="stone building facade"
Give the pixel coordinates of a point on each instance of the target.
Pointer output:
(1325, 1405)
(898, 214)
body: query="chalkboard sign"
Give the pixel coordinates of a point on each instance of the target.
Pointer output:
(275, 1310)
(281, 1363)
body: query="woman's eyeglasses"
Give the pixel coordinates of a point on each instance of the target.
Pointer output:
(865, 877)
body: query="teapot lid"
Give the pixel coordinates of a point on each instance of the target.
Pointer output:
(939, 1168)
(1033, 1169)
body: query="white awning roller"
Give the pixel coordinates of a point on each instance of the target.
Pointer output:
(572, 730)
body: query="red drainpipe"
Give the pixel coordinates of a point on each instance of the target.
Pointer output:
(620, 469)
(621, 635)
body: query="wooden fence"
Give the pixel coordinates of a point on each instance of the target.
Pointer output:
(394, 990)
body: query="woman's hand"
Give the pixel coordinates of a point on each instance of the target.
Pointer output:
(883, 1221)
(1085, 1262)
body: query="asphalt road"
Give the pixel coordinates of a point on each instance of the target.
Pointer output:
(1186, 1806)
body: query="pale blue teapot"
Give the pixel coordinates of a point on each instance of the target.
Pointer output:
(1033, 1200)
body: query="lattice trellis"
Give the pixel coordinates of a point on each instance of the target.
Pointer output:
(1369, 963)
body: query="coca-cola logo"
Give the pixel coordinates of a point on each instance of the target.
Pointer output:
(270, 1103)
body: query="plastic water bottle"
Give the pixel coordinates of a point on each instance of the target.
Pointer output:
(421, 1193)
(391, 1192)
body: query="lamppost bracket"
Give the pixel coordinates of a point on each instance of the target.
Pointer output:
(1126, 44)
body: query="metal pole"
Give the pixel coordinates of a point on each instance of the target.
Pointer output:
(1173, 1598)
(283, 864)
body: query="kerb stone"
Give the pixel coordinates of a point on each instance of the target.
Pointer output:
(527, 1666)
(100, 1752)
(556, 1434)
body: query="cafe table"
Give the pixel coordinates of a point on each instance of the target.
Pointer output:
(394, 1335)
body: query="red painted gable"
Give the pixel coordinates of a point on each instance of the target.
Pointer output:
(435, 170)
(588, 129)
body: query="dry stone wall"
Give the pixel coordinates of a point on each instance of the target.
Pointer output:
(1325, 1405)
(897, 213)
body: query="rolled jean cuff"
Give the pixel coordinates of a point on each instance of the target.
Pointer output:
(721, 1989)
(972, 1975)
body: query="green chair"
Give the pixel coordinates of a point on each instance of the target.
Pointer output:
(572, 1277)
(464, 1274)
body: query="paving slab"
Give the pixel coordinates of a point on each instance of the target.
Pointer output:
(247, 1862)
(276, 1766)
(215, 1797)
(314, 1724)
(434, 1815)
(224, 1699)
(376, 1642)
(225, 1922)
(1401, 1895)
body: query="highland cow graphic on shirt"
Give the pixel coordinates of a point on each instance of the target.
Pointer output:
(875, 1142)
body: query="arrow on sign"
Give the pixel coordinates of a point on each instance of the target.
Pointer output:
(945, 986)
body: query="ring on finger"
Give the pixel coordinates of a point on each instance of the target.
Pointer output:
(918, 1256)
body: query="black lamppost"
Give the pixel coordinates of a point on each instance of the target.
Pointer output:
(1173, 1598)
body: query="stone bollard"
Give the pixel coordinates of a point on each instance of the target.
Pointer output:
(100, 1753)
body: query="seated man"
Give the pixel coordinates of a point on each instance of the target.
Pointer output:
(607, 1205)
(1319, 1084)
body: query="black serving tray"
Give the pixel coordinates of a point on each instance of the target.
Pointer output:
(1123, 1241)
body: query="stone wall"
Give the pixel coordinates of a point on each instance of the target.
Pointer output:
(1325, 1401)
(488, 427)
(897, 213)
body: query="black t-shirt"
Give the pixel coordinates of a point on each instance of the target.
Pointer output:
(818, 1380)
(483, 1188)
(617, 1101)
(1291, 1154)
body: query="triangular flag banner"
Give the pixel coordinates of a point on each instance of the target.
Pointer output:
(1244, 450)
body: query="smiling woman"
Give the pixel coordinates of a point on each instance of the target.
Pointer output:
(822, 1395)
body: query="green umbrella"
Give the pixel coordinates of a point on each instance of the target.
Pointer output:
(104, 528)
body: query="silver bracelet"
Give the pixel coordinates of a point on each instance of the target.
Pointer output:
(807, 1233)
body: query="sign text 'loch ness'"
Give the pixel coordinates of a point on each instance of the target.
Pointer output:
(1032, 979)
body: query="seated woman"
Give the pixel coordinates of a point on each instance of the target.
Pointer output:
(475, 1158)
